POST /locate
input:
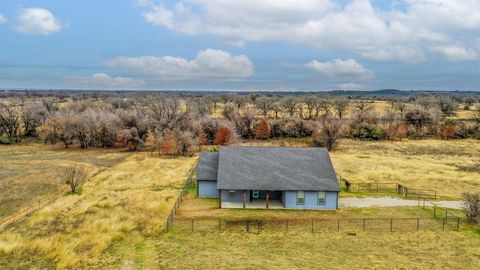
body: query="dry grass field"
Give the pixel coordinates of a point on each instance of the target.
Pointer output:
(115, 222)
(450, 167)
(29, 172)
(135, 195)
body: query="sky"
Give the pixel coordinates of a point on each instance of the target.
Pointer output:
(282, 45)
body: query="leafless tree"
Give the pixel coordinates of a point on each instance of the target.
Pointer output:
(311, 103)
(75, 176)
(276, 108)
(329, 133)
(290, 105)
(162, 112)
(324, 105)
(33, 116)
(264, 104)
(362, 106)
(341, 106)
(400, 106)
(10, 121)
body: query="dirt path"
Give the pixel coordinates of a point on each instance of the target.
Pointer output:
(392, 202)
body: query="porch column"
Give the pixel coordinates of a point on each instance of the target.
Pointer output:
(244, 198)
(268, 198)
(219, 198)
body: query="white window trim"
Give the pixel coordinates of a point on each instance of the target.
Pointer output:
(234, 195)
(324, 198)
(296, 198)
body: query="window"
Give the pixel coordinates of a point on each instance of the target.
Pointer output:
(321, 198)
(255, 194)
(300, 197)
(231, 194)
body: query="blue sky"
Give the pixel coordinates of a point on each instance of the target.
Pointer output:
(240, 45)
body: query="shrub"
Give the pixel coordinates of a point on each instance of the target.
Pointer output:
(472, 206)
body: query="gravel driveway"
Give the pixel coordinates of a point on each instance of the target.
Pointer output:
(391, 202)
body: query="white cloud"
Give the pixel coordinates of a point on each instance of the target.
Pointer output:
(38, 21)
(341, 68)
(103, 80)
(406, 32)
(208, 64)
(350, 86)
(457, 53)
(2, 19)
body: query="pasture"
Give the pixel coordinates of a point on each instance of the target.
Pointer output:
(31, 171)
(117, 219)
(134, 195)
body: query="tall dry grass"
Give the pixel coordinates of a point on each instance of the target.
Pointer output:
(132, 196)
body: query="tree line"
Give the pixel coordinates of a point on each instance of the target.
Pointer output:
(177, 124)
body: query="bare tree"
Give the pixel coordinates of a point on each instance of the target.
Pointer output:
(362, 106)
(311, 103)
(324, 105)
(400, 106)
(264, 104)
(341, 106)
(276, 108)
(162, 112)
(75, 176)
(329, 133)
(10, 121)
(290, 105)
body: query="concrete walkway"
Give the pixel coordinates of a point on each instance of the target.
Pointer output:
(392, 202)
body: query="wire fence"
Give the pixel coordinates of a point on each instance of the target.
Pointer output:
(190, 181)
(31, 207)
(388, 187)
(314, 225)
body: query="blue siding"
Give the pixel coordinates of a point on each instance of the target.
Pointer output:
(238, 196)
(310, 200)
(207, 189)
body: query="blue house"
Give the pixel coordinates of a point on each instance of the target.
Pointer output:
(269, 177)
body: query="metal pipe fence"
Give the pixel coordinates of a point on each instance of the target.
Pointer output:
(388, 187)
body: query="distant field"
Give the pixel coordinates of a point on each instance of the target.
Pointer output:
(29, 172)
(133, 196)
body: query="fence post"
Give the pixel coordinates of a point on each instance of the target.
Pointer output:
(364, 224)
(313, 224)
(219, 225)
(418, 224)
(338, 225)
(391, 224)
(458, 224)
(434, 211)
(286, 225)
(443, 224)
(423, 203)
(247, 225)
(192, 225)
(446, 215)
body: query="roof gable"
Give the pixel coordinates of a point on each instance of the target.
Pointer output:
(207, 168)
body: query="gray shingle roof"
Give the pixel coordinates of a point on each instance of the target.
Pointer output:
(207, 166)
(276, 168)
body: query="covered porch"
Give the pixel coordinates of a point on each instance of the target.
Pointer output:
(254, 204)
(252, 199)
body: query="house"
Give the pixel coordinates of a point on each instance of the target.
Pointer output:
(269, 177)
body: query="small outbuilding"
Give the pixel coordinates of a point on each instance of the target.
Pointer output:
(269, 177)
